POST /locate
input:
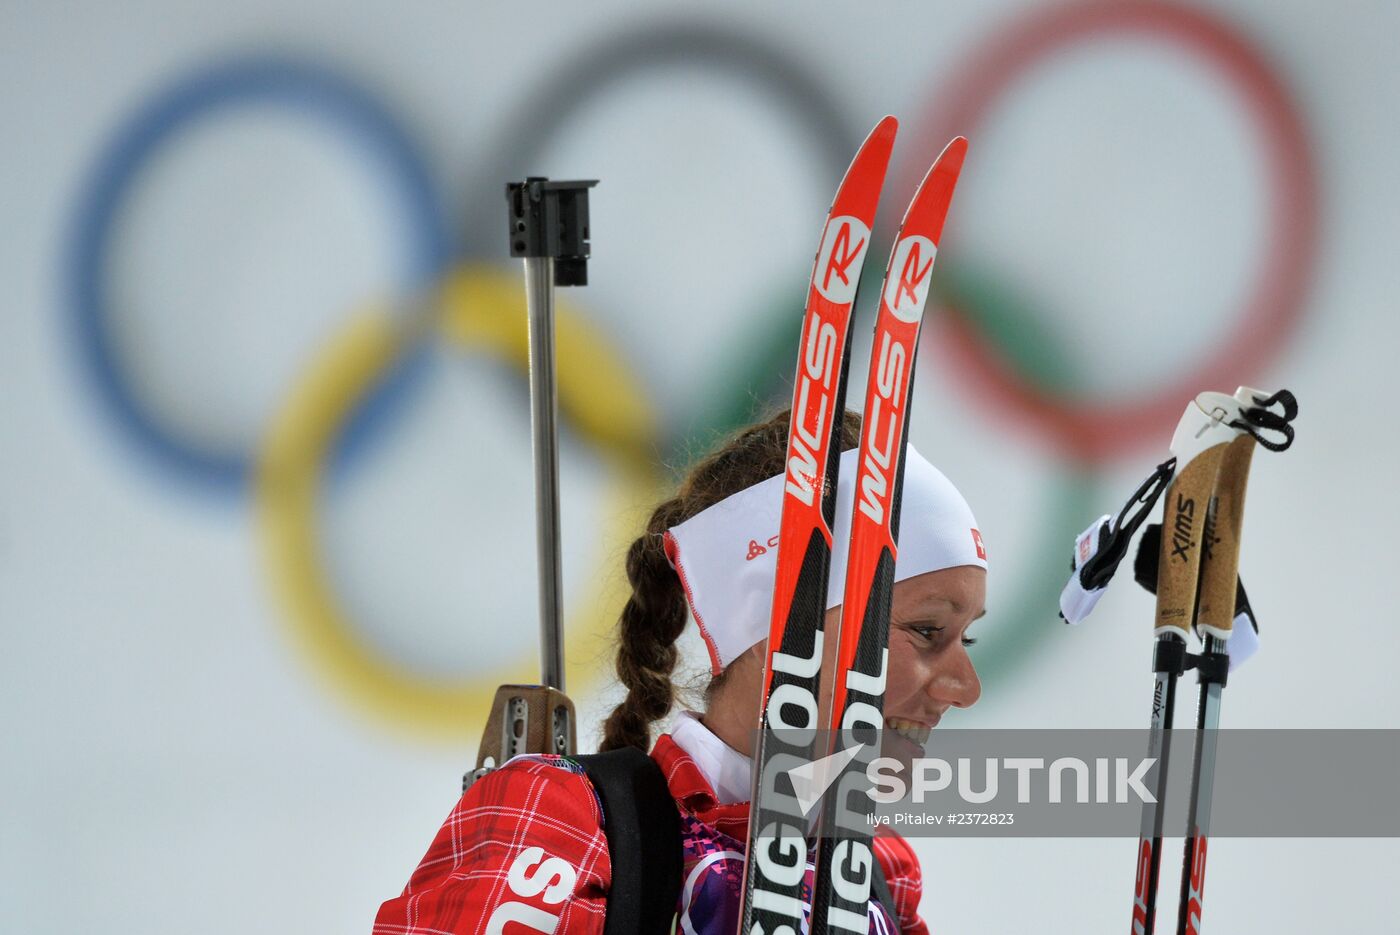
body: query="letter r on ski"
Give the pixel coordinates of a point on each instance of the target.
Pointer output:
(842, 256)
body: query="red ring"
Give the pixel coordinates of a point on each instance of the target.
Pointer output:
(1092, 430)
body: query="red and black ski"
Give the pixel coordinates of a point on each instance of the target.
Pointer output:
(776, 864)
(844, 858)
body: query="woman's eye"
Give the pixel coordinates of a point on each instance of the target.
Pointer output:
(928, 633)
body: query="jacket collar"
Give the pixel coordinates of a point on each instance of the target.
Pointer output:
(692, 789)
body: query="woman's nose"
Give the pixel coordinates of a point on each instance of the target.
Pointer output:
(955, 683)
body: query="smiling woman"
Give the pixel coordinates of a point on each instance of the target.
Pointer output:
(706, 553)
(929, 673)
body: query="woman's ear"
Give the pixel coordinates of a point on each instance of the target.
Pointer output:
(744, 676)
(733, 700)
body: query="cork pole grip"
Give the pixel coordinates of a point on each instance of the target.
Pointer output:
(1220, 561)
(1183, 521)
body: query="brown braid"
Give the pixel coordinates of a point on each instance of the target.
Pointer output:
(656, 612)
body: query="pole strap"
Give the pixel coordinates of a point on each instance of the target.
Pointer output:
(1100, 549)
(1260, 418)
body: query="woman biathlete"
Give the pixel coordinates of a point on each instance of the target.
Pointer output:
(525, 844)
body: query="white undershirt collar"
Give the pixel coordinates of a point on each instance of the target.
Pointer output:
(728, 771)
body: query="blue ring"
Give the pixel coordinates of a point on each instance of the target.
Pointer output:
(323, 95)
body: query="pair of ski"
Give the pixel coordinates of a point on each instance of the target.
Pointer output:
(1197, 583)
(780, 833)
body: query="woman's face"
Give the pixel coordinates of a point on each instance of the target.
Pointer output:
(929, 669)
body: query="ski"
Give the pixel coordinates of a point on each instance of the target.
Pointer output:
(776, 863)
(845, 858)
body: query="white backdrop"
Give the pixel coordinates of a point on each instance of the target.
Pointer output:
(178, 754)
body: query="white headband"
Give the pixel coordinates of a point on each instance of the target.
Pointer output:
(726, 555)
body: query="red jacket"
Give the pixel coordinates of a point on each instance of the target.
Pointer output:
(525, 845)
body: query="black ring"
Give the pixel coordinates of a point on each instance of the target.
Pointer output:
(653, 47)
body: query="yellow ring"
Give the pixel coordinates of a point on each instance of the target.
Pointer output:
(478, 308)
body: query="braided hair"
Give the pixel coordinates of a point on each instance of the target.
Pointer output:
(656, 612)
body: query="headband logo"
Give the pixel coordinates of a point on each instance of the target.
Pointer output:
(906, 293)
(842, 247)
(977, 543)
(755, 549)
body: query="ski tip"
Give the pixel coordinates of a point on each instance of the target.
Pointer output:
(928, 209)
(881, 139)
(951, 159)
(943, 174)
(859, 193)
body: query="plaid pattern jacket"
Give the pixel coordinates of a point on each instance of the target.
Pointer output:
(523, 850)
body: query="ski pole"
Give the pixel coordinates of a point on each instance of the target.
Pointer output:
(1214, 623)
(1194, 573)
(1200, 441)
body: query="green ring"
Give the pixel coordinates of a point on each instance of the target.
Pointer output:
(762, 375)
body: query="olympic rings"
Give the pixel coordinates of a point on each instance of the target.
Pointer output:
(478, 309)
(1096, 430)
(323, 95)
